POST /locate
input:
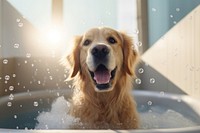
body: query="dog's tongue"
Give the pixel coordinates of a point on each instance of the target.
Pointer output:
(102, 77)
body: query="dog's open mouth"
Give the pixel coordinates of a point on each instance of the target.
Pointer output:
(103, 77)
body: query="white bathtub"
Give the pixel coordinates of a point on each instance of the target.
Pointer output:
(21, 111)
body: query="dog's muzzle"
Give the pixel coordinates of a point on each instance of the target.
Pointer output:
(102, 75)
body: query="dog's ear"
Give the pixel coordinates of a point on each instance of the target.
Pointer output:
(130, 54)
(73, 59)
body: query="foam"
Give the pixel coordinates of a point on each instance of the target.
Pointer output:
(58, 117)
(155, 117)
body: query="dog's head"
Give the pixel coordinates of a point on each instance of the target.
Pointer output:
(102, 56)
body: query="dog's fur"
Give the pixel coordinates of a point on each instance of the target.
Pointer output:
(111, 105)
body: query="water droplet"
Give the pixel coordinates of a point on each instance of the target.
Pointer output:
(7, 77)
(5, 61)
(20, 24)
(39, 82)
(152, 80)
(25, 61)
(15, 116)
(140, 70)
(35, 104)
(11, 88)
(11, 97)
(17, 20)
(149, 103)
(16, 45)
(17, 127)
(171, 16)
(138, 81)
(9, 104)
(178, 9)
(154, 9)
(32, 65)
(28, 55)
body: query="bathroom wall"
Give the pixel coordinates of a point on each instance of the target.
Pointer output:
(164, 14)
(176, 56)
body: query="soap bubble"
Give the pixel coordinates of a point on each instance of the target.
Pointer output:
(11, 88)
(14, 75)
(18, 20)
(136, 31)
(174, 22)
(154, 9)
(35, 103)
(15, 116)
(9, 104)
(140, 70)
(149, 103)
(11, 97)
(178, 9)
(139, 44)
(20, 24)
(152, 80)
(16, 45)
(28, 55)
(5, 61)
(138, 81)
(7, 77)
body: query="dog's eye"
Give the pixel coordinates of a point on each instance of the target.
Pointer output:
(112, 40)
(87, 42)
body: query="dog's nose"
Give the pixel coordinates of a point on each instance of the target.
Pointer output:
(100, 51)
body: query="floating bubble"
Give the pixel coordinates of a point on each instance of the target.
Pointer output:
(11, 97)
(32, 65)
(35, 104)
(174, 22)
(28, 55)
(14, 75)
(15, 116)
(139, 44)
(9, 104)
(11, 88)
(18, 20)
(179, 100)
(39, 82)
(7, 77)
(17, 127)
(50, 77)
(178, 9)
(138, 81)
(152, 80)
(25, 61)
(171, 16)
(5, 61)
(154, 9)
(162, 93)
(136, 31)
(21, 106)
(149, 103)
(16, 45)
(20, 24)
(140, 70)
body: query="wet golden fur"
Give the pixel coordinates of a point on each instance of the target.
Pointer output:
(114, 109)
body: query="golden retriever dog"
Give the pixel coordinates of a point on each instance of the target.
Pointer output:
(102, 67)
